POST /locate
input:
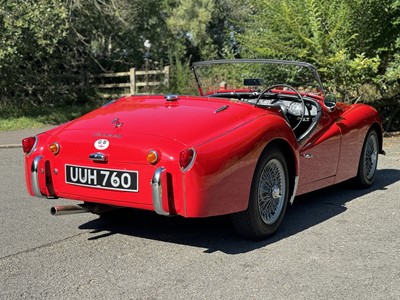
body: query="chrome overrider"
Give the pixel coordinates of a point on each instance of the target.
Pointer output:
(35, 177)
(157, 193)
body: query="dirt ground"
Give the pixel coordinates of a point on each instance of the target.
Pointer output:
(392, 140)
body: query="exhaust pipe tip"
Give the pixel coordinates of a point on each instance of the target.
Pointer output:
(59, 210)
(53, 211)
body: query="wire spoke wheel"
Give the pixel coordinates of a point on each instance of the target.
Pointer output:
(271, 191)
(368, 160)
(371, 156)
(268, 198)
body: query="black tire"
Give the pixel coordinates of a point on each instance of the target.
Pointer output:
(368, 160)
(268, 198)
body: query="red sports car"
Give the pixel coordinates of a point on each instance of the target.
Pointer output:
(260, 133)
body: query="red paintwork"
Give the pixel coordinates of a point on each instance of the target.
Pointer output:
(228, 145)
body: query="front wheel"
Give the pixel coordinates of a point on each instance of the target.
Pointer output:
(268, 198)
(368, 160)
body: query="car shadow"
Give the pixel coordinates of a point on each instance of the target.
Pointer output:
(217, 234)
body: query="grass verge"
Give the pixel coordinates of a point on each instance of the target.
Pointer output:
(13, 118)
(19, 123)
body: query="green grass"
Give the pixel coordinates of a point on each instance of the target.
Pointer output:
(19, 123)
(14, 118)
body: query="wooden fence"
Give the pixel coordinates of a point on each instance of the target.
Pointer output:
(131, 83)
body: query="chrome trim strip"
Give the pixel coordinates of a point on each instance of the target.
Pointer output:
(296, 185)
(35, 177)
(156, 191)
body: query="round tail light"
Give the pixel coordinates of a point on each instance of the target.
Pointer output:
(28, 144)
(186, 159)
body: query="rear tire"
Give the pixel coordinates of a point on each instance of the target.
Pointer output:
(268, 198)
(368, 160)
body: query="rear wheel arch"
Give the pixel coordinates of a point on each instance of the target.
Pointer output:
(368, 161)
(272, 184)
(379, 131)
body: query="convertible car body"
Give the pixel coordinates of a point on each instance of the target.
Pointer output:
(260, 133)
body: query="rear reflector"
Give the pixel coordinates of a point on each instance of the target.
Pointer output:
(28, 144)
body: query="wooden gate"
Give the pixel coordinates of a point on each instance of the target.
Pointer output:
(133, 82)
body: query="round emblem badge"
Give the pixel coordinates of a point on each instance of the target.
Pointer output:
(101, 144)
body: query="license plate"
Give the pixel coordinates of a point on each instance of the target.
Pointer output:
(110, 179)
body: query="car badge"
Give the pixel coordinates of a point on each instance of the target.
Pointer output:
(101, 144)
(117, 123)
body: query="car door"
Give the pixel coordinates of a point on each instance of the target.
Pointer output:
(319, 154)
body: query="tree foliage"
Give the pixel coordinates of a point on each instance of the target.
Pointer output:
(334, 35)
(49, 47)
(31, 33)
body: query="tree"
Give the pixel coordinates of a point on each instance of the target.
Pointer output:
(48, 47)
(30, 34)
(111, 33)
(324, 33)
(390, 79)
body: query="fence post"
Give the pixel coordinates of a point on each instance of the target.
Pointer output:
(166, 76)
(132, 80)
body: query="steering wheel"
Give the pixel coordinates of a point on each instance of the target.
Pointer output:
(283, 107)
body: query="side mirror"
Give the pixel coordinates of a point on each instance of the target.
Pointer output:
(330, 101)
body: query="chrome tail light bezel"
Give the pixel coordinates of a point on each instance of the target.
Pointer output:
(33, 146)
(187, 166)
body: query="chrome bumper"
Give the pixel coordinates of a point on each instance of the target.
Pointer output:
(35, 177)
(157, 191)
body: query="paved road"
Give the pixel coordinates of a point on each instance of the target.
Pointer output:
(337, 243)
(13, 138)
